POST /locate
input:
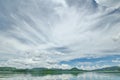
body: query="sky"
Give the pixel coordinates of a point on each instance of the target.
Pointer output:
(60, 33)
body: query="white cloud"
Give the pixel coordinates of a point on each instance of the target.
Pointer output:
(89, 67)
(37, 26)
(117, 38)
(109, 3)
(116, 60)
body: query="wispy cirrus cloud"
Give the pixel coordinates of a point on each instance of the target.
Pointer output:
(48, 32)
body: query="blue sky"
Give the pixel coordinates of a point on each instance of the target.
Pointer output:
(94, 62)
(60, 33)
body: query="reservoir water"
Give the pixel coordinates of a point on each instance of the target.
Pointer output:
(82, 76)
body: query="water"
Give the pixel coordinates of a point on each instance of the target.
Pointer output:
(82, 76)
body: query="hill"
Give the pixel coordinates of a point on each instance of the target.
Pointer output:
(109, 69)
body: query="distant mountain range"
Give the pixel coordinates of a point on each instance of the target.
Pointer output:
(40, 71)
(44, 71)
(109, 69)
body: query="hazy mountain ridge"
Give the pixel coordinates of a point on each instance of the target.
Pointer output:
(109, 69)
(113, 68)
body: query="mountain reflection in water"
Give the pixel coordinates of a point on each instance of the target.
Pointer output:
(81, 76)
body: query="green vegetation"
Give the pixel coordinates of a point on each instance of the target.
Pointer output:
(46, 71)
(109, 69)
(7, 68)
(40, 71)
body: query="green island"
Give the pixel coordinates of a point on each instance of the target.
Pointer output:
(46, 71)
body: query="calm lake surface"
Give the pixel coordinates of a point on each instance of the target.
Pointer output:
(82, 76)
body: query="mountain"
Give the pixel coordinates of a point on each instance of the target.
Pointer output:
(109, 69)
(44, 71)
(7, 68)
(40, 71)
